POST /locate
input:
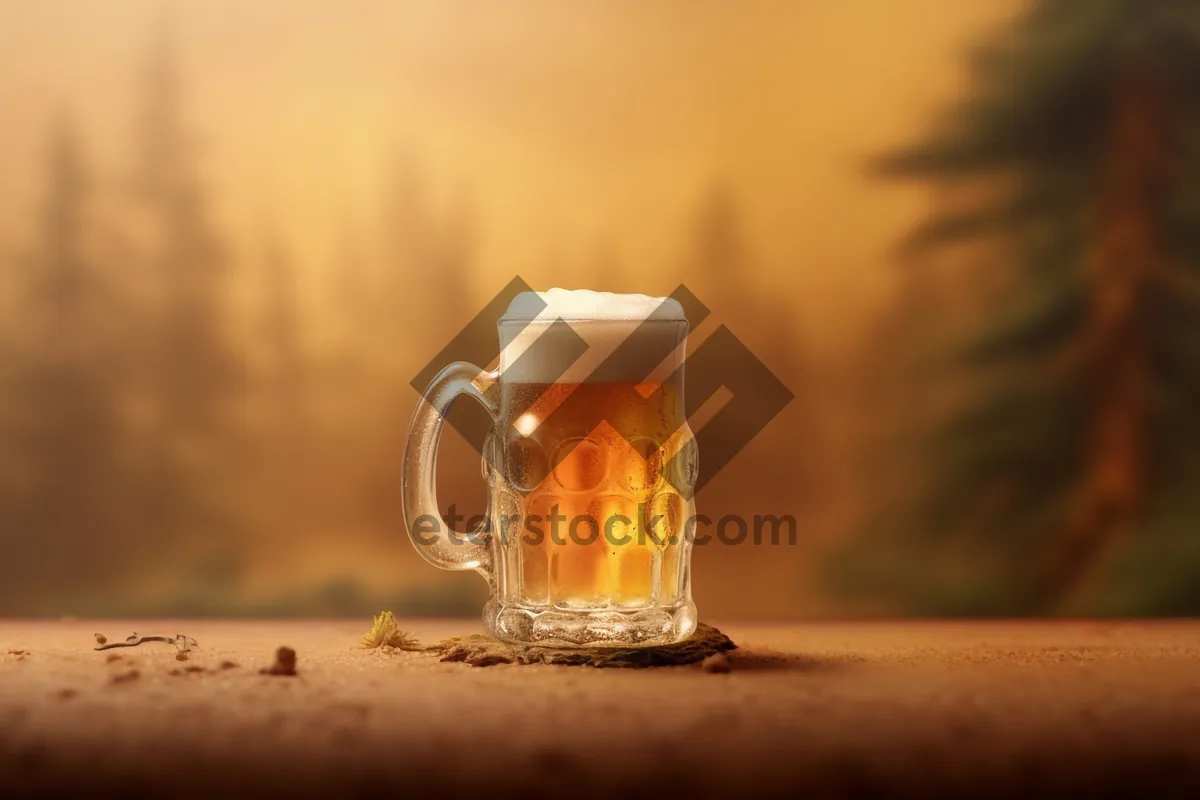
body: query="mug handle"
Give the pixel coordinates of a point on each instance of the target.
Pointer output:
(440, 546)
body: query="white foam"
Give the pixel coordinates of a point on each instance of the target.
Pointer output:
(585, 304)
(602, 319)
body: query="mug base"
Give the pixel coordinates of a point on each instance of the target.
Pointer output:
(602, 627)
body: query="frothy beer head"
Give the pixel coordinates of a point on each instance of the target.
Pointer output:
(628, 337)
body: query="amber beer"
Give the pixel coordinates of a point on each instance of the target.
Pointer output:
(596, 523)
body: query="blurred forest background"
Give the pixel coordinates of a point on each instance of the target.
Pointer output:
(964, 234)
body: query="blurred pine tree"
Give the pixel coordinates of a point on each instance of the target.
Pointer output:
(190, 380)
(1077, 150)
(195, 368)
(59, 437)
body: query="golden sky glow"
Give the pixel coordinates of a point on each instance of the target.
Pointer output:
(567, 126)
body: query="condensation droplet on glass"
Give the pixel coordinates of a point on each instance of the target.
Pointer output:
(527, 465)
(580, 465)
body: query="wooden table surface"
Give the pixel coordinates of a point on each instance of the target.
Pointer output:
(828, 709)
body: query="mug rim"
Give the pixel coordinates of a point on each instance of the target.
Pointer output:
(525, 321)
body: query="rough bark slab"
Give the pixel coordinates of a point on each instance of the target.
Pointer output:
(486, 651)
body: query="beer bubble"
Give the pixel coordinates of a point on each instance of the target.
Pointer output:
(533, 585)
(506, 518)
(683, 462)
(643, 473)
(579, 574)
(628, 565)
(666, 514)
(617, 516)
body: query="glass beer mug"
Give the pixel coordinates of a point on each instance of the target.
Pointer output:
(590, 465)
